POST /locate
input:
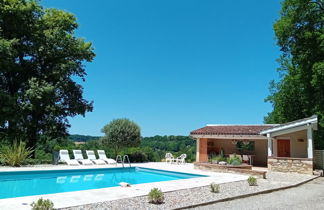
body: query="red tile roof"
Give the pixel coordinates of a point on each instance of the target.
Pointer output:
(231, 130)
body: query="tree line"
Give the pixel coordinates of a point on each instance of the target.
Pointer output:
(299, 93)
(150, 149)
(41, 60)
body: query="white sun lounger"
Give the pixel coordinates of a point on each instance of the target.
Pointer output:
(64, 157)
(102, 156)
(79, 157)
(91, 155)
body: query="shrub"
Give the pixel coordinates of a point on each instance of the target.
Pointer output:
(252, 181)
(214, 187)
(212, 157)
(42, 204)
(156, 196)
(30, 161)
(216, 158)
(234, 161)
(138, 157)
(220, 158)
(57, 148)
(42, 155)
(15, 154)
(221, 153)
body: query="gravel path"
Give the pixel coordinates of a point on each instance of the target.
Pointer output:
(193, 196)
(307, 196)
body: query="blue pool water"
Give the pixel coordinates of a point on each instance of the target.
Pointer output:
(26, 183)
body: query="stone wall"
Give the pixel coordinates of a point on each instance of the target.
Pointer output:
(294, 165)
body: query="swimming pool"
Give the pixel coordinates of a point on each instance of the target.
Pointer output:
(27, 183)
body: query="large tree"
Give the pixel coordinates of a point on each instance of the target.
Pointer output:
(300, 91)
(41, 60)
(121, 133)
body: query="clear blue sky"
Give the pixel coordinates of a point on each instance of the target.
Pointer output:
(176, 65)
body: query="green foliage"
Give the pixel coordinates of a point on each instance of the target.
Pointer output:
(252, 181)
(217, 158)
(37, 161)
(82, 138)
(40, 61)
(151, 149)
(57, 148)
(15, 154)
(177, 145)
(42, 204)
(121, 133)
(156, 196)
(234, 161)
(300, 90)
(221, 153)
(214, 187)
(245, 148)
(42, 155)
(220, 158)
(138, 157)
(46, 146)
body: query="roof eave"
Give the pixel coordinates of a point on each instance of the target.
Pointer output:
(231, 136)
(311, 120)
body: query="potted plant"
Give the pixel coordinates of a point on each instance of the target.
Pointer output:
(56, 154)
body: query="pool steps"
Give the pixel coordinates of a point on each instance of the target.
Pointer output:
(123, 159)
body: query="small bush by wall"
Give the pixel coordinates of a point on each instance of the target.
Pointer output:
(156, 196)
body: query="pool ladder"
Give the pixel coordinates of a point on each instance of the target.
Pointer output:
(122, 160)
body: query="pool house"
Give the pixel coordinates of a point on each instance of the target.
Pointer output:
(280, 147)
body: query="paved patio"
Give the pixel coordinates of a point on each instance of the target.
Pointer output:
(113, 193)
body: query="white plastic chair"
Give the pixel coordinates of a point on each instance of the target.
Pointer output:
(246, 158)
(181, 158)
(64, 157)
(169, 158)
(91, 155)
(102, 156)
(79, 157)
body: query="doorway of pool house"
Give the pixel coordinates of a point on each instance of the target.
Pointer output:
(283, 148)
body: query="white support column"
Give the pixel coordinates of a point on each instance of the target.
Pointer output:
(197, 150)
(270, 151)
(309, 141)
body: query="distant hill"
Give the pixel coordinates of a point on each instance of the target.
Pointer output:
(82, 138)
